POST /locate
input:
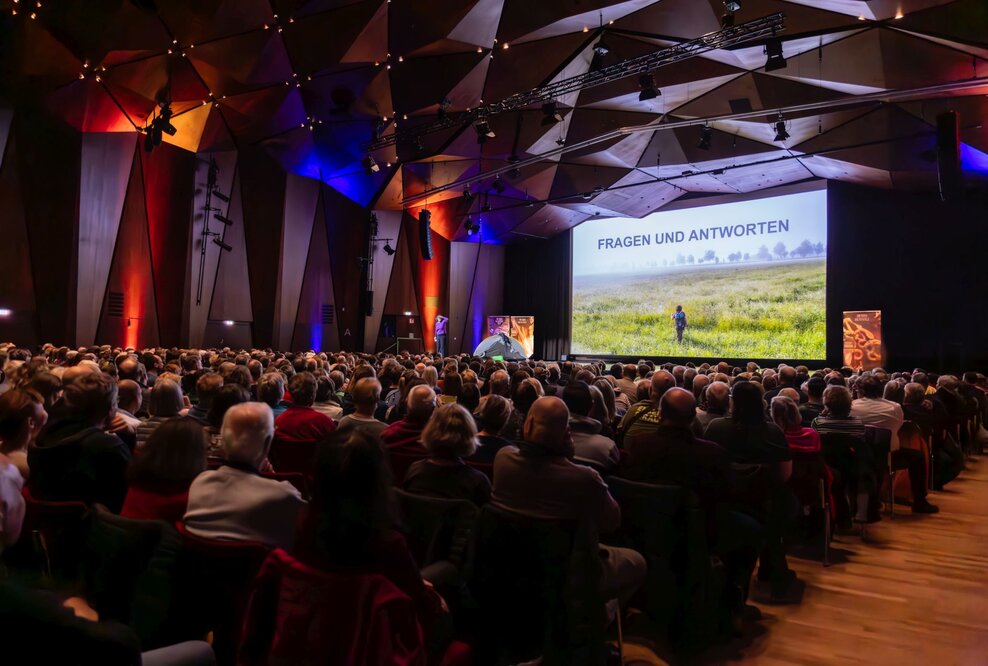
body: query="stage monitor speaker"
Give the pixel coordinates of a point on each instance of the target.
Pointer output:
(949, 156)
(425, 234)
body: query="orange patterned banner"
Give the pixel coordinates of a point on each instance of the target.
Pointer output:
(863, 345)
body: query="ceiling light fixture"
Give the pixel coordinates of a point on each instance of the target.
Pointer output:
(223, 246)
(484, 131)
(370, 166)
(550, 114)
(224, 219)
(388, 250)
(706, 135)
(775, 60)
(781, 134)
(731, 7)
(646, 82)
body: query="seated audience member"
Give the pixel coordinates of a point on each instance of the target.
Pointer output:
(207, 386)
(785, 414)
(11, 501)
(160, 473)
(271, 391)
(751, 440)
(718, 403)
(893, 392)
(836, 416)
(642, 419)
(452, 384)
(47, 385)
(469, 397)
(809, 410)
(404, 436)
(589, 446)
(325, 399)
(73, 458)
(491, 416)
(129, 399)
(22, 417)
(609, 416)
(366, 398)
(234, 502)
(786, 379)
(299, 422)
(164, 403)
(449, 437)
(349, 527)
(626, 382)
(677, 457)
(538, 479)
(874, 410)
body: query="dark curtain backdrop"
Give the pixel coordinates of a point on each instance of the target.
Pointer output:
(537, 282)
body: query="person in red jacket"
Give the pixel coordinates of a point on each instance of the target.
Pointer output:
(300, 422)
(405, 436)
(161, 473)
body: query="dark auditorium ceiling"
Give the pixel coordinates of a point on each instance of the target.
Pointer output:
(310, 81)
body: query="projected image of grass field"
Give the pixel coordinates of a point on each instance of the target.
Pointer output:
(775, 310)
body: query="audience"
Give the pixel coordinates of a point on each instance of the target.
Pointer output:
(491, 416)
(22, 417)
(641, 421)
(450, 437)
(299, 422)
(164, 403)
(405, 436)
(589, 446)
(366, 398)
(235, 501)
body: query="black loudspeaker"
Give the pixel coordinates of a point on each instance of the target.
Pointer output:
(425, 234)
(949, 156)
(368, 303)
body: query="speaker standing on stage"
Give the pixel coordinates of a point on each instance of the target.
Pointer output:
(680, 319)
(440, 337)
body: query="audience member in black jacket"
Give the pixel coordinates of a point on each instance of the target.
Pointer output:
(74, 458)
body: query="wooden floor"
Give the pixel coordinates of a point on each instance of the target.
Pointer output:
(915, 592)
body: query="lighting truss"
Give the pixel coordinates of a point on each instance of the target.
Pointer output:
(762, 28)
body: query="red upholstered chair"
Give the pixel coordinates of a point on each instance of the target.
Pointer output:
(51, 537)
(214, 579)
(302, 615)
(293, 456)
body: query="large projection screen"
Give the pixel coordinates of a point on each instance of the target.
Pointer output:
(751, 277)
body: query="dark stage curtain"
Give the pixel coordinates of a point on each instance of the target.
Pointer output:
(537, 283)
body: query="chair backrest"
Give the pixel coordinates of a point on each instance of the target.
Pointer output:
(537, 583)
(666, 524)
(51, 537)
(880, 442)
(400, 462)
(841, 450)
(293, 456)
(128, 568)
(213, 583)
(808, 469)
(301, 615)
(436, 529)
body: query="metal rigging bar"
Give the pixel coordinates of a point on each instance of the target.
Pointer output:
(759, 28)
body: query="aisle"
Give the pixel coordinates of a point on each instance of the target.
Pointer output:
(915, 593)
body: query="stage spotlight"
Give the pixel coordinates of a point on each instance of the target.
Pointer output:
(773, 49)
(601, 49)
(467, 193)
(780, 130)
(158, 126)
(163, 120)
(370, 166)
(225, 220)
(731, 7)
(484, 131)
(470, 226)
(223, 246)
(222, 197)
(388, 250)
(648, 90)
(498, 185)
(706, 135)
(550, 114)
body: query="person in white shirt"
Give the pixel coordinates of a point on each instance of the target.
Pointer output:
(234, 502)
(129, 399)
(11, 503)
(366, 397)
(876, 411)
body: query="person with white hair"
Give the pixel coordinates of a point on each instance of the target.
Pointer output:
(405, 436)
(235, 502)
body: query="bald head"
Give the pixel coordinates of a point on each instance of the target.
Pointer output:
(718, 398)
(129, 395)
(790, 393)
(421, 402)
(677, 408)
(698, 383)
(662, 381)
(547, 424)
(77, 371)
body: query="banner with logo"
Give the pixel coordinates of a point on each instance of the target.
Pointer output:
(863, 346)
(521, 329)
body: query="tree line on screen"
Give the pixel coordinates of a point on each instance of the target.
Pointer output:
(804, 250)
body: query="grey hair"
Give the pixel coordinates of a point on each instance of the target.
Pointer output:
(248, 429)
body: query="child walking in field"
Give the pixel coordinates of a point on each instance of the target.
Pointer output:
(680, 319)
